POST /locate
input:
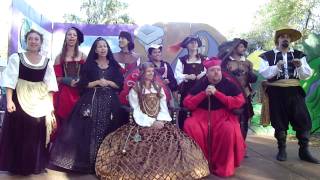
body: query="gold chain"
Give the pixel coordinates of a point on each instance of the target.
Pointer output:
(151, 111)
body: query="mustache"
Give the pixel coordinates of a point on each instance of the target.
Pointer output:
(285, 44)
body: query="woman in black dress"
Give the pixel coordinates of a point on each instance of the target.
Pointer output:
(95, 114)
(29, 80)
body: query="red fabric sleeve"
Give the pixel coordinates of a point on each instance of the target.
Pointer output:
(231, 102)
(191, 102)
(58, 70)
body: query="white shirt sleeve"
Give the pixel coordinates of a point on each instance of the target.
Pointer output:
(178, 72)
(138, 61)
(204, 70)
(202, 73)
(304, 71)
(267, 71)
(11, 72)
(164, 114)
(139, 117)
(50, 77)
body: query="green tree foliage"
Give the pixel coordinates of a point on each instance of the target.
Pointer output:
(101, 12)
(311, 46)
(300, 14)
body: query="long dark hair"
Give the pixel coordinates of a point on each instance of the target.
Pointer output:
(92, 56)
(64, 47)
(127, 35)
(139, 86)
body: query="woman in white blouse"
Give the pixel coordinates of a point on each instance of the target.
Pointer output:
(29, 80)
(188, 70)
(150, 147)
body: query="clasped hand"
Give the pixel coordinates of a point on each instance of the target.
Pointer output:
(210, 90)
(103, 82)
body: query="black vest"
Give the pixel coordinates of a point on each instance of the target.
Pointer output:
(32, 73)
(273, 59)
(192, 68)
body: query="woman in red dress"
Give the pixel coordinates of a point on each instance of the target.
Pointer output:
(67, 68)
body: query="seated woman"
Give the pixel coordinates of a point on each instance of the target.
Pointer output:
(150, 148)
(94, 116)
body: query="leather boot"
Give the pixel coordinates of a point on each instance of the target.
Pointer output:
(304, 153)
(281, 137)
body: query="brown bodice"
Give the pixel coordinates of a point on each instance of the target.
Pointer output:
(150, 104)
(240, 70)
(72, 69)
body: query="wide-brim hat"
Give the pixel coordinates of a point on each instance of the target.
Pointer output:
(188, 39)
(79, 34)
(226, 48)
(293, 33)
(237, 41)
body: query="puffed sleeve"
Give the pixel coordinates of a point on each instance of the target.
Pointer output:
(178, 72)
(267, 71)
(11, 72)
(304, 71)
(164, 114)
(202, 73)
(140, 118)
(50, 77)
(138, 61)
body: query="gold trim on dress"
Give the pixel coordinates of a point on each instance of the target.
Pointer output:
(150, 104)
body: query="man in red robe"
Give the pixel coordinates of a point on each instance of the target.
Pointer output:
(213, 125)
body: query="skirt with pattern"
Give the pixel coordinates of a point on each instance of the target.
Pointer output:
(135, 152)
(79, 139)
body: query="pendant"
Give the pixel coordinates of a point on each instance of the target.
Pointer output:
(137, 137)
(193, 66)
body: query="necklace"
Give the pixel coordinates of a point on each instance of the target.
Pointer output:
(151, 104)
(103, 65)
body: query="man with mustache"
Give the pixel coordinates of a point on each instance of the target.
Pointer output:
(283, 67)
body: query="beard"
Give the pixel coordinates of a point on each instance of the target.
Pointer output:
(241, 53)
(285, 44)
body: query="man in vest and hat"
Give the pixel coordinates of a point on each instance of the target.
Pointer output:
(283, 67)
(240, 69)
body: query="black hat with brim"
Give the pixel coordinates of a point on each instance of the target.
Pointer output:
(188, 39)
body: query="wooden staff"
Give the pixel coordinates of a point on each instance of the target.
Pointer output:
(209, 140)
